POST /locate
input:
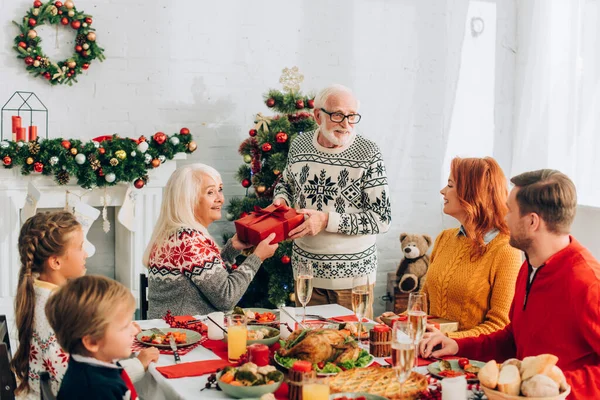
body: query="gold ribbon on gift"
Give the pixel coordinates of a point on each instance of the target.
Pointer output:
(262, 122)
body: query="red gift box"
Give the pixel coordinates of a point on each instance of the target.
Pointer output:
(255, 227)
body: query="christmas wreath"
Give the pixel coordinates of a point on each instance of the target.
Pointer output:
(27, 43)
(104, 161)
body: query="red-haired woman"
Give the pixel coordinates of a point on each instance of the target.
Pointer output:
(471, 278)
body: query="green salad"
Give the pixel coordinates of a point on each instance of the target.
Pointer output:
(364, 358)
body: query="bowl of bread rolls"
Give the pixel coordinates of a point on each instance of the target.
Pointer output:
(534, 378)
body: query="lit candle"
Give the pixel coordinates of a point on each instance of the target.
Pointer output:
(32, 133)
(454, 388)
(21, 134)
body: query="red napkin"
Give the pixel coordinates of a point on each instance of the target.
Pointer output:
(348, 318)
(283, 392)
(216, 346)
(195, 368)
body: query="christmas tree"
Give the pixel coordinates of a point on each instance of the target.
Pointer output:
(265, 155)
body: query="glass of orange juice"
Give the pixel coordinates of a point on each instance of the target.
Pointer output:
(237, 334)
(315, 388)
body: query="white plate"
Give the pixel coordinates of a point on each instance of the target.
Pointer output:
(191, 336)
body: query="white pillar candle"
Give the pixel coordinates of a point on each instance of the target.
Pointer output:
(214, 332)
(454, 388)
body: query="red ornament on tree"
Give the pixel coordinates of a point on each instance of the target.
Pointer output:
(100, 172)
(32, 22)
(85, 66)
(234, 267)
(64, 21)
(75, 24)
(281, 137)
(300, 104)
(28, 60)
(7, 160)
(252, 132)
(37, 4)
(88, 21)
(66, 144)
(160, 137)
(23, 45)
(285, 259)
(270, 102)
(47, 75)
(141, 139)
(246, 183)
(266, 147)
(311, 103)
(78, 48)
(38, 167)
(184, 131)
(58, 4)
(139, 183)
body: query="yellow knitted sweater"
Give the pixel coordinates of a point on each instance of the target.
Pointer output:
(477, 294)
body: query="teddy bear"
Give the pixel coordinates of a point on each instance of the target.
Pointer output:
(410, 274)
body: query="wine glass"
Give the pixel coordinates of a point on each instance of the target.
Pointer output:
(403, 351)
(304, 285)
(360, 299)
(417, 316)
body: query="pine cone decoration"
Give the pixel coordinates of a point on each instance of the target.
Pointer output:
(91, 157)
(62, 177)
(34, 148)
(80, 40)
(44, 62)
(95, 165)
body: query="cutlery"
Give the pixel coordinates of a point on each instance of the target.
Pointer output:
(300, 324)
(174, 348)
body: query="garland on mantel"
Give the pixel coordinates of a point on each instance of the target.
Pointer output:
(104, 161)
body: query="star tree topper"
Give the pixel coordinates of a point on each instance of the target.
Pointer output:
(291, 79)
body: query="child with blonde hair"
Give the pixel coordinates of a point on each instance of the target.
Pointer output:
(51, 251)
(92, 318)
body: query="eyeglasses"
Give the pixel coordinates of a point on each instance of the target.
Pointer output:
(338, 117)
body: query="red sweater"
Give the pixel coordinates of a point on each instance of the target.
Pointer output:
(561, 317)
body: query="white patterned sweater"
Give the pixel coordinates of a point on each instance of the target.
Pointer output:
(45, 354)
(350, 184)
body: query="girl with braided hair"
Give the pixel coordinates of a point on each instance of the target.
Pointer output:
(51, 252)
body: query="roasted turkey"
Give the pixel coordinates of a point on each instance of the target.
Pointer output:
(324, 345)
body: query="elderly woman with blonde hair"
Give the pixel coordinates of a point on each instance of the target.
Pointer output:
(187, 272)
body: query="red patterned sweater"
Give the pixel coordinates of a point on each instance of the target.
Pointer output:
(188, 275)
(560, 316)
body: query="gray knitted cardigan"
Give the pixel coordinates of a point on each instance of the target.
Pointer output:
(188, 275)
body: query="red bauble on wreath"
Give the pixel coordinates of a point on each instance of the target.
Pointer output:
(246, 183)
(7, 161)
(66, 144)
(252, 132)
(285, 259)
(270, 102)
(311, 103)
(281, 137)
(139, 183)
(184, 131)
(27, 42)
(299, 104)
(38, 167)
(159, 137)
(266, 147)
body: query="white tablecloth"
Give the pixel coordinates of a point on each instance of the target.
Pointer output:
(155, 386)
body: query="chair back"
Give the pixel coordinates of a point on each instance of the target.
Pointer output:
(46, 387)
(143, 296)
(8, 383)
(4, 333)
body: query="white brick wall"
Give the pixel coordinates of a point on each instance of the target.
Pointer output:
(205, 65)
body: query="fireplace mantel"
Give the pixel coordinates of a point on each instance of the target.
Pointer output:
(129, 246)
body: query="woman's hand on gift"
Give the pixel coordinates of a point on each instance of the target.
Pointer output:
(238, 244)
(433, 340)
(265, 249)
(315, 222)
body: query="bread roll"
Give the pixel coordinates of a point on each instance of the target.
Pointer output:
(541, 364)
(557, 376)
(509, 380)
(539, 386)
(512, 361)
(488, 374)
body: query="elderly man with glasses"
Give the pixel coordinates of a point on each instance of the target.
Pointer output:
(336, 178)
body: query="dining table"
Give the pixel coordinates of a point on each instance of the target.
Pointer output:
(155, 386)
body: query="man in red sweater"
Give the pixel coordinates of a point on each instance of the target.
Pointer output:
(556, 308)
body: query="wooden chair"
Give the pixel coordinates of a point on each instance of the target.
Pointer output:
(8, 383)
(46, 387)
(143, 296)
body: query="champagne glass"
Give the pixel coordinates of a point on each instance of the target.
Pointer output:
(304, 285)
(417, 316)
(360, 299)
(403, 351)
